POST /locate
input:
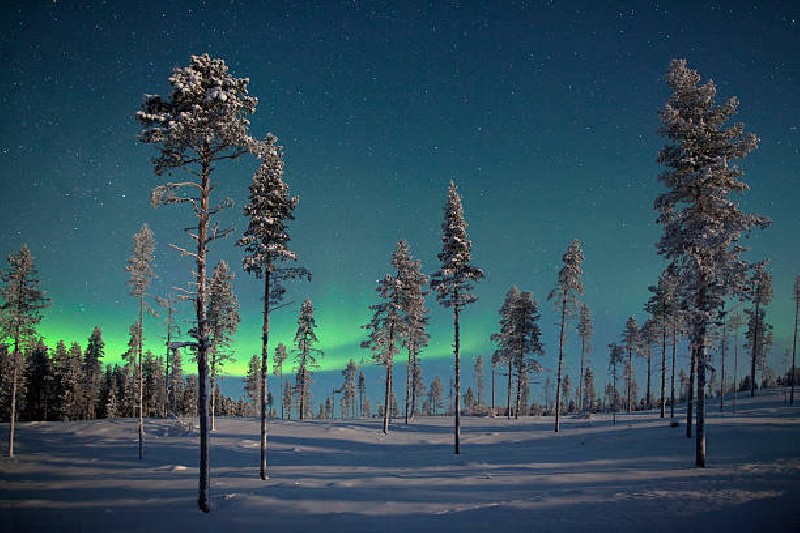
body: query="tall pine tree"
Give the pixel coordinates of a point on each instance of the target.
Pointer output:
(453, 282)
(702, 225)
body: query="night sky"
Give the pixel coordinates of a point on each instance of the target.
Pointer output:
(543, 113)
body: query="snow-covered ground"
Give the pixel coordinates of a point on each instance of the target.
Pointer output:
(636, 475)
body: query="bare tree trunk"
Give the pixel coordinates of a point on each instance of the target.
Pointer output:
(672, 374)
(630, 379)
(722, 379)
(690, 392)
(649, 372)
(13, 419)
(735, 369)
(519, 393)
(794, 349)
(212, 385)
(264, 370)
(754, 353)
(204, 488)
(408, 384)
(302, 414)
(141, 377)
(493, 412)
(510, 373)
(389, 363)
(561, 340)
(581, 403)
(413, 384)
(663, 409)
(458, 377)
(700, 443)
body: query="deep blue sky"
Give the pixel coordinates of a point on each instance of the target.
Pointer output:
(544, 113)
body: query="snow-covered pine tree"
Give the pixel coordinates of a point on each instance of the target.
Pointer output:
(702, 226)
(286, 400)
(616, 355)
(203, 121)
(22, 302)
(419, 389)
(414, 318)
(305, 355)
(277, 370)
(453, 281)
(631, 341)
(140, 268)
(252, 382)
(223, 320)
(362, 391)
(435, 395)
(647, 337)
(349, 389)
(168, 306)
(585, 329)
(266, 242)
(519, 337)
(93, 372)
(663, 309)
(760, 292)
(589, 391)
(565, 297)
(383, 331)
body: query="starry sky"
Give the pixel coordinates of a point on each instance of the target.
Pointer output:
(544, 114)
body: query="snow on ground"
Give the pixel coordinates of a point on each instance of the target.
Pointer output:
(346, 476)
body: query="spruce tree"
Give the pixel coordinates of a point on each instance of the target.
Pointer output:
(266, 246)
(569, 287)
(140, 268)
(631, 338)
(22, 303)
(702, 225)
(202, 122)
(453, 281)
(663, 309)
(349, 389)
(478, 368)
(253, 380)
(760, 291)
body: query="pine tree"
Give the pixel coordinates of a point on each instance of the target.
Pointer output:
(140, 268)
(414, 317)
(569, 287)
(453, 281)
(631, 341)
(286, 399)
(589, 391)
(252, 383)
(277, 370)
(645, 350)
(223, 320)
(362, 391)
(202, 122)
(266, 244)
(168, 305)
(663, 309)
(22, 301)
(349, 389)
(305, 355)
(616, 356)
(93, 372)
(585, 332)
(39, 389)
(760, 288)
(518, 339)
(435, 395)
(702, 226)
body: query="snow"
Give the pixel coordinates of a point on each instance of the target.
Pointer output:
(345, 475)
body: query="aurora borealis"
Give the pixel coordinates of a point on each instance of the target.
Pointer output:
(544, 114)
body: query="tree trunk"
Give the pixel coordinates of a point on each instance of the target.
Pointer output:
(212, 385)
(510, 373)
(722, 379)
(204, 492)
(794, 349)
(649, 372)
(630, 379)
(493, 412)
(672, 374)
(519, 392)
(561, 339)
(690, 392)
(13, 419)
(264, 369)
(663, 370)
(754, 352)
(141, 377)
(581, 403)
(458, 377)
(302, 414)
(389, 363)
(408, 384)
(700, 443)
(735, 369)
(413, 385)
